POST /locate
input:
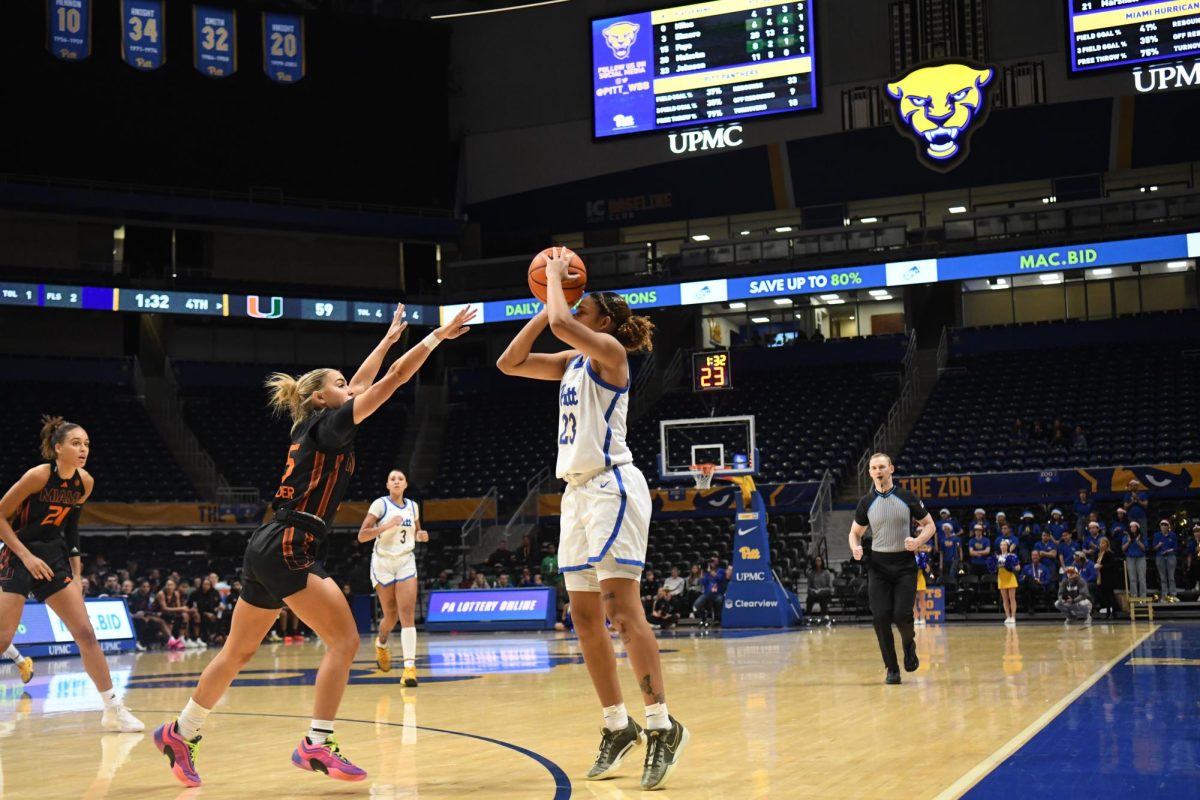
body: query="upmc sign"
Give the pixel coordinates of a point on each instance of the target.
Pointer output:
(1167, 76)
(710, 139)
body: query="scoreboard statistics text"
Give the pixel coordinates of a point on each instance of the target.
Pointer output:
(1115, 33)
(703, 63)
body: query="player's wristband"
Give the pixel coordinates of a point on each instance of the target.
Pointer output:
(431, 341)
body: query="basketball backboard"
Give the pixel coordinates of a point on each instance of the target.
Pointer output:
(727, 442)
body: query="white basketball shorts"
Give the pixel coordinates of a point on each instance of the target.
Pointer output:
(386, 570)
(605, 528)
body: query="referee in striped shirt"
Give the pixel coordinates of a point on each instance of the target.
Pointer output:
(892, 569)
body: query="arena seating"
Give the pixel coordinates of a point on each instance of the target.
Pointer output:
(1132, 384)
(129, 460)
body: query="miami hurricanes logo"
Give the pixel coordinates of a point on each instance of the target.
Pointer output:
(940, 104)
(264, 307)
(620, 37)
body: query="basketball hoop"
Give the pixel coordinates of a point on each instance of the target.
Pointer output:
(703, 475)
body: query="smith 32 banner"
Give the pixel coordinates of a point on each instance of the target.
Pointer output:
(143, 34)
(283, 47)
(69, 29)
(214, 41)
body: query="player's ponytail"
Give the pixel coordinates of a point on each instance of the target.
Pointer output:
(293, 396)
(633, 332)
(54, 432)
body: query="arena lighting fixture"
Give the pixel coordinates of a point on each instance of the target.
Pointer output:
(1102, 272)
(851, 317)
(1000, 284)
(883, 297)
(783, 301)
(1050, 277)
(1050, 199)
(737, 305)
(877, 292)
(743, 233)
(958, 209)
(798, 315)
(498, 10)
(784, 229)
(837, 302)
(701, 237)
(760, 320)
(868, 220)
(1178, 264)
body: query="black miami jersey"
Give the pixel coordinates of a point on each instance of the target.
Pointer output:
(43, 516)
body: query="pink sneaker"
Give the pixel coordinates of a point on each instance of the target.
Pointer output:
(326, 758)
(179, 751)
(175, 644)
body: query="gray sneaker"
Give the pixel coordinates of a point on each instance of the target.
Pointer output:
(613, 747)
(662, 754)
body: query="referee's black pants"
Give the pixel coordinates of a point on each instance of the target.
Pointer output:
(892, 591)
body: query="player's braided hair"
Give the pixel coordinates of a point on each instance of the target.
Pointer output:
(633, 332)
(294, 395)
(54, 432)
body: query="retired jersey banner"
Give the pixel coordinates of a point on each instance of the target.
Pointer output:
(283, 47)
(214, 41)
(69, 29)
(143, 34)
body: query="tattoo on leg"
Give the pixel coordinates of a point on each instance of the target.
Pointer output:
(648, 688)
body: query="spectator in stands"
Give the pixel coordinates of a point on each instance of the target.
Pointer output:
(503, 582)
(550, 573)
(445, 581)
(1038, 433)
(149, 626)
(171, 606)
(527, 554)
(85, 586)
(1091, 540)
(1073, 598)
(1084, 507)
(951, 550)
(649, 590)
(126, 589)
(1095, 517)
(1134, 546)
(1035, 581)
(1019, 432)
(1067, 549)
(817, 336)
(712, 594)
(1048, 550)
(1165, 547)
(1028, 534)
(674, 585)
(662, 611)
(468, 581)
(1057, 524)
(1058, 435)
(693, 586)
(1137, 505)
(480, 581)
(526, 578)
(1079, 442)
(1193, 569)
(981, 519)
(206, 604)
(112, 587)
(944, 518)
(502, 556)
(1087, 571)
(979, 547)
(820, 587)
(537, 579)
(1120, 524)
(1005, 535)
(1108, 577)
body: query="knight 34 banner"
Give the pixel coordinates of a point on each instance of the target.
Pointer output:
(283, 47)
(143, 34)
(69, 29)
(214, 41)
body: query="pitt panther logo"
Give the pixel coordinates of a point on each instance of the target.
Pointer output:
(620, 37)
(749, 553)
(938, 103)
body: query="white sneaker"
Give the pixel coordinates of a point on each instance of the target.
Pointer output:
(1010, 621)
(1087, 622)
(118, 718)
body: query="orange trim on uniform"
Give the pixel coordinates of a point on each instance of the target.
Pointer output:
(330, 482)
(288, 558)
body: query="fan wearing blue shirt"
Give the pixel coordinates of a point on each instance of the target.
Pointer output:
(1134, 545)
(1056, 525)
(951, 549)
(1087, 570)
(1166, 548)
(1193, 549)
(981, 519)
(1028, 533)
(978, 549)
(1035, 580)
(1120, 525)
(1067, 549)
(1047, 548)
(1006, 534)
(1083, 507)
(1091, 540)
(1137, 505)
(944, 518)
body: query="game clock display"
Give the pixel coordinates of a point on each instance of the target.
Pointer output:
(716, 62)
(1117, 33)
(711, 371)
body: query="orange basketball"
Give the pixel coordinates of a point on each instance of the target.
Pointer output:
(573, 285)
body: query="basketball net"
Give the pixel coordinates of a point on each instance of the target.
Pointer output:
(703, 475)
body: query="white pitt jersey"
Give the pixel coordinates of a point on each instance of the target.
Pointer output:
(591, 421)
(400, 540)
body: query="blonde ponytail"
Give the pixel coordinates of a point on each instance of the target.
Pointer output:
(293, 396)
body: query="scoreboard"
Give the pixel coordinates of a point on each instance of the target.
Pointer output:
(702, 63)
(1115, 33)
(711, 370)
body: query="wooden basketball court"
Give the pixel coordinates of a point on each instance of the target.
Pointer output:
(773, 714)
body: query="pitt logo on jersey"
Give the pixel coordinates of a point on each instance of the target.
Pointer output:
(620, 37)
(938, 103)
(568, 396)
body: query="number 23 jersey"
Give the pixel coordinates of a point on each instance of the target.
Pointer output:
(591, 421)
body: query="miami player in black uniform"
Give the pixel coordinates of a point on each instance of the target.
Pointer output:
(39, 523)
(281, 567)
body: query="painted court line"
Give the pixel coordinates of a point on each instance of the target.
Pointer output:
(999, 756)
